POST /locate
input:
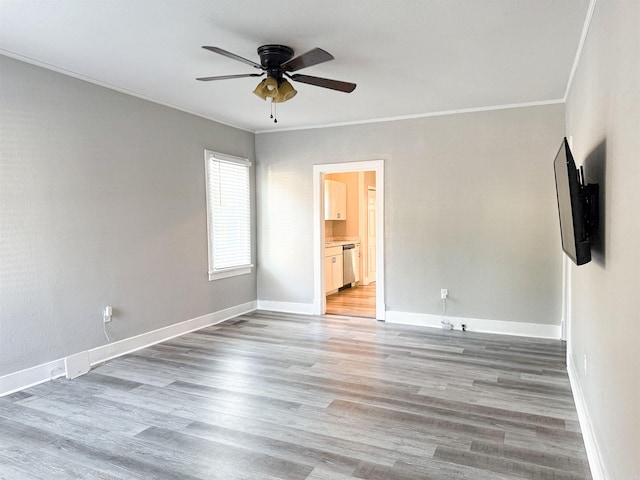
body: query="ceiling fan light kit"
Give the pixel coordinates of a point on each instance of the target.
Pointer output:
(285, 92)
(267, 88)
(277, 91)
(277, 61)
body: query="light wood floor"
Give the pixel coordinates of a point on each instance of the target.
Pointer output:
(273, 396)
(359, 301)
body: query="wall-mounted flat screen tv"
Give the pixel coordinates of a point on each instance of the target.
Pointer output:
(577, 206)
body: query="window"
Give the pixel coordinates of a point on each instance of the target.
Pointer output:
(228, 215)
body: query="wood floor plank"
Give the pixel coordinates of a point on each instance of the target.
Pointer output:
(280, 396)
(230, 462)
(556, 460)
(105, 455)
(17, 463)
(356, 301)
(431, 469)
(500, 464)
(266, 444)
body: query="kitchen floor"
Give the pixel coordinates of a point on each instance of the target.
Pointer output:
(358, 301)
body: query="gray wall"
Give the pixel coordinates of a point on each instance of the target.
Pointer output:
(470, 206)
(102, 201)
(603, 116)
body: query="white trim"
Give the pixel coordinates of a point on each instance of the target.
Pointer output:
(100, 83)
(41, 373)
(230, 272)
(419, 115)
(362, 227)
(131, 344)
(211, 156)
(287, 307)
(376, 166)
(225, 157)
(501, 327)
(594, 455)
(583, 39)
(79, 76)
(31, 377)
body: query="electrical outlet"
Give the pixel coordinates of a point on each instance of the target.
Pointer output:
(444, 293)
(107, 313)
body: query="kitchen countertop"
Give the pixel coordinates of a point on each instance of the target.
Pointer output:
(339, 242)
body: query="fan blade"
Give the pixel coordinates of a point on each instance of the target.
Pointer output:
(312, 57)
(324, 82)
(224, 53)
(227, 77)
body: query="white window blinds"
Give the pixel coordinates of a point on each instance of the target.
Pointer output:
(228, 215)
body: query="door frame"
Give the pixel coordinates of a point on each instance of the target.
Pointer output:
(365, 275)
(377, 166)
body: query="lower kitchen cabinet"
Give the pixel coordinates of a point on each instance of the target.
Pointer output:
(332, 269)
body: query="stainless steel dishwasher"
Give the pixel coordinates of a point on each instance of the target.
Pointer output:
(348, 264)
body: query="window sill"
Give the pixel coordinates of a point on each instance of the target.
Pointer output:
(231, 272)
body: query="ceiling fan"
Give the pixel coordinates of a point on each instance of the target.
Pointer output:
(277, 62)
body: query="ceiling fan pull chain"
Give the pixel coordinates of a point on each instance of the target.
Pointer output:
(275, 112)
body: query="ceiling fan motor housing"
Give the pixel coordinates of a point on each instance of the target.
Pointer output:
(272, 56)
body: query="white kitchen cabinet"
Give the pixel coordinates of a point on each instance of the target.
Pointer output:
(328, 279)
(335, 200)
(332, 269)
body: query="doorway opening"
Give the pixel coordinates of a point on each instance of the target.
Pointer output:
(348, 239)
(350, 243)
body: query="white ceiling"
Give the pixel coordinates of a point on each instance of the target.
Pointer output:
(408, 57)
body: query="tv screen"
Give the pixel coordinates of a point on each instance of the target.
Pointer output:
(571, 207)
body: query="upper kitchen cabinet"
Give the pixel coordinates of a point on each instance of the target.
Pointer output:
(335, 200)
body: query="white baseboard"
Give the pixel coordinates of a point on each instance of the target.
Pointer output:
(128, 345)
(476, 324)
(42, 373)
(596, 464)
(29, 377)
(287, 307)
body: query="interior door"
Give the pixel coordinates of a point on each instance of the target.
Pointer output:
(371, 235)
